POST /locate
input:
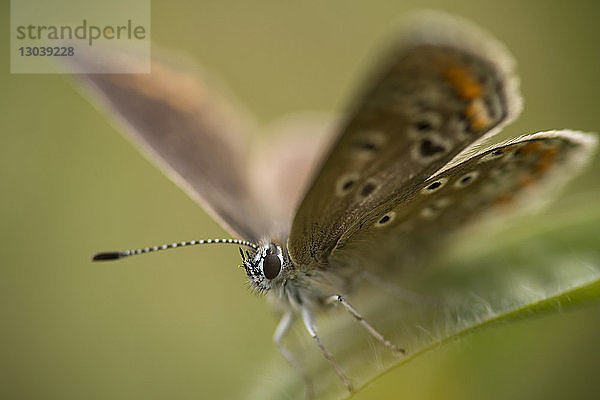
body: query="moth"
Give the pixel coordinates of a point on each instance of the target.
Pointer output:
(402, 171)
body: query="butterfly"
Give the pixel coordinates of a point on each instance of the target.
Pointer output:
(402, 172)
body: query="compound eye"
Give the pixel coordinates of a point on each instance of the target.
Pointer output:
(271, 266)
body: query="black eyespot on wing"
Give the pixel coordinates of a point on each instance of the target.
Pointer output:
(466, 179)
(348, 184)
(368, 189)
(384, 219)
(423, 125)
(271, 266)
(364, 145)
(434, 185)
(428, 148)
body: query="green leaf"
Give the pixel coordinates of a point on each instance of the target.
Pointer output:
(545, 264)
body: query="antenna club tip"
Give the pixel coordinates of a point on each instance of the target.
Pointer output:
(107, 256)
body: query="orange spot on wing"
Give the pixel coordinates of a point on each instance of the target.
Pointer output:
(526, 180)
(504, 200)
(530, 148)
(546, 160)
(506, 149)
(464, 83)
(468, 88)
(550, 152)
(477, 115)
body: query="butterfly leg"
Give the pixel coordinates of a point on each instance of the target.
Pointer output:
(308, 320)
(366, 325)
(283, 327)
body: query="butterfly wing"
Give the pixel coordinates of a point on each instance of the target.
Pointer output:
(284, 164)
(444, 87)
(190, 133)
(518, 174)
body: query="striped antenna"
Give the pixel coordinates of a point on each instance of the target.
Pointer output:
(115, 255)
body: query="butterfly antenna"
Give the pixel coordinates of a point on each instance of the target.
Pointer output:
(115, 255)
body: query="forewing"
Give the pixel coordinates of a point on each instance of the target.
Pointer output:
(284, 164)
(516, 175)
(444, 87)
(190, 132)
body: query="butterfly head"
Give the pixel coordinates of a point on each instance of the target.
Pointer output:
(268, 267)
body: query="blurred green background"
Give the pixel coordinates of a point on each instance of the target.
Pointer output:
(182, 325)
